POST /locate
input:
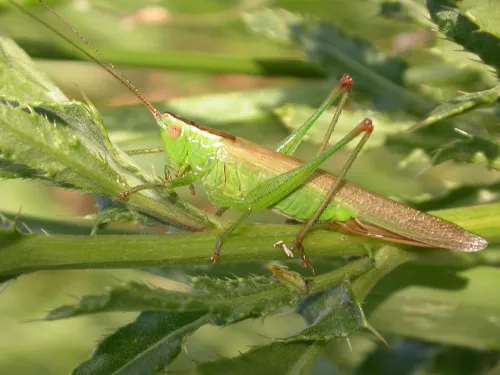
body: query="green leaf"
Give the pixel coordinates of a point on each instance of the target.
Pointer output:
(332, 313)
(484, 150)
(452, 66)
(146, 346)
(229, 300)
(20, 79)
(297, 358)
(54, 149)
(65, 142)
(461, 27)
(474, 149)
(458, 105)
(484, 13)
(376, 74)
(74, 155)
(446, 305)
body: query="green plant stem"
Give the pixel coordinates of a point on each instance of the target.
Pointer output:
(22, 254)
(351, 270)
(177, 60)
(28, 253)
(386, 259)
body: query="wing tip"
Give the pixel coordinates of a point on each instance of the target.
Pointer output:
(474, 243)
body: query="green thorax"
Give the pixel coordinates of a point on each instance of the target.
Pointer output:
(232, 167)
(189, 147)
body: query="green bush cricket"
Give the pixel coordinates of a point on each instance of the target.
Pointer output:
(238, 174)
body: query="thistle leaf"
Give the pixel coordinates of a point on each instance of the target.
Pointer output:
(461, 27)
(20, 79)
(484, 13)
(459, 105)
(332, 313)
(45, 136)
(146, 346)
(229, 300)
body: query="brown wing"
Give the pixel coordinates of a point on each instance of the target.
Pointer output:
(394, 221)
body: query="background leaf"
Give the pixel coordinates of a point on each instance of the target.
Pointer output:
(280, 358)
(462, 28)
(477, 149)
(198, 59)
(295, 115)
(434, 306)
(375, 73)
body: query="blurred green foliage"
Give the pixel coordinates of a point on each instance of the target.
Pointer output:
(425, 71)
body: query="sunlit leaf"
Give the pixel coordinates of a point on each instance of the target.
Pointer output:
(485, 13)
(454, 64)
(28, 138)
(20, 79)
(65, 143)
(461, 27)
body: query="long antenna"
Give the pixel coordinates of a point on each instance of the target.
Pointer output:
(105, 63)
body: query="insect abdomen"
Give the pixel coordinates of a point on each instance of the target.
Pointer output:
(303, 203)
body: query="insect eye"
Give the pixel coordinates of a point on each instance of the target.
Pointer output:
(174, 131)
